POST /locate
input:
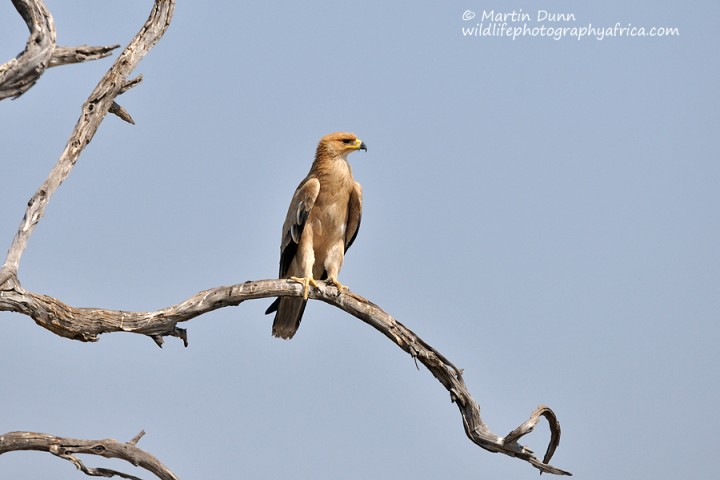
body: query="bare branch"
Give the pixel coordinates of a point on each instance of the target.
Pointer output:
(82, 53)
(131, 83)
(86, 324)
(19, 74)
(527, 427)
(67, 448)
(137, 437)
(118, 110)
(94, 110)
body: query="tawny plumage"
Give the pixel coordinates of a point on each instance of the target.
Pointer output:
(321, 224)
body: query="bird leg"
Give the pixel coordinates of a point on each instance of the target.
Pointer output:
(306, 282)
(337, 284)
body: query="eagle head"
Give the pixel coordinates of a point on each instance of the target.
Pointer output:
(339, 144)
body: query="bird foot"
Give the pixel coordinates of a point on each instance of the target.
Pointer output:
(306, 282)
(341, 288)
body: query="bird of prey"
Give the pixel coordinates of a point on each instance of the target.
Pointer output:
(321, 224)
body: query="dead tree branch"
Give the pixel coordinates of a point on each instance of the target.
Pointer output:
(68, 448)
(100, 102)
(19, 74)
(86, 324)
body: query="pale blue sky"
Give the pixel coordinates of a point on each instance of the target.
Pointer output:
(544, 212)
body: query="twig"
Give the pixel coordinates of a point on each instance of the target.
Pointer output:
(81, 53)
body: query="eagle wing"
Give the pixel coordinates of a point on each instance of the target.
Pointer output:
(300, 206)
(354, 215)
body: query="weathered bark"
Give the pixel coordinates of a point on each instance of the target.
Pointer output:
(67, 448)
(19, 74)
(86, 324)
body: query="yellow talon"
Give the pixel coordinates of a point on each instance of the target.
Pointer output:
(337, 284)
(306, 282)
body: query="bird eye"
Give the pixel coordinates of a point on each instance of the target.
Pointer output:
(346, 141)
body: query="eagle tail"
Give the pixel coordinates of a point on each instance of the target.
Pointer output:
(288, 313)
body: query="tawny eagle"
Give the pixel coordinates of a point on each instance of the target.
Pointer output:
(321, 224)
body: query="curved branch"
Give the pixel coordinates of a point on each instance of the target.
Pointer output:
(67, 448)
(86, 324)
(19, 74)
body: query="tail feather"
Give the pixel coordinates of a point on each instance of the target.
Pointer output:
(273, 306)
(288, 314)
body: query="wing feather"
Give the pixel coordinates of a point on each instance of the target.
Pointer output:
(302, 202)
(354, 215)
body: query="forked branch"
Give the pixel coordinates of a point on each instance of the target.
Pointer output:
(68, 448)
(101, 101)
(19, 74)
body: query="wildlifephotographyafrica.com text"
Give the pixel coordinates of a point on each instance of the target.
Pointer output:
(541, 23)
